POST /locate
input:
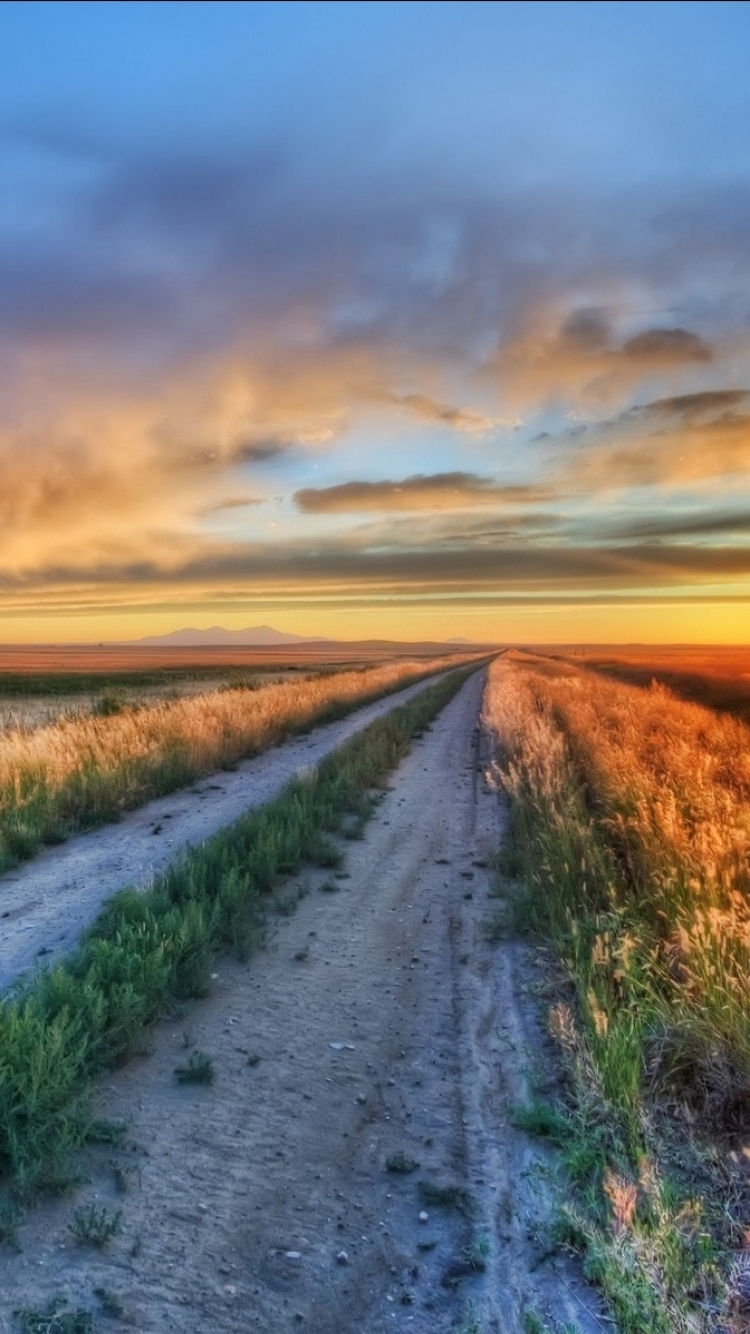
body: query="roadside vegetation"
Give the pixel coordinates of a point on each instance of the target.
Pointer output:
(630, 833)
(84, 771)
(148, 951)
(717, 677)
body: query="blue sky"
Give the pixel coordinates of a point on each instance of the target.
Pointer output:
(366, 317)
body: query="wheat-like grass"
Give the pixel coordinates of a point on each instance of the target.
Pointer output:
(631, 830)
(83, 770)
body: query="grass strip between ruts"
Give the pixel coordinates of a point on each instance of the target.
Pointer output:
(147, 950)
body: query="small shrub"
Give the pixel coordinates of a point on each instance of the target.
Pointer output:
(111, 1304)
(400, 1163)
(96, 1226)
(447, 1197)
(476, 1254)
(54, 1319)
(199, 1070)
(109, 703)
(104, 1131)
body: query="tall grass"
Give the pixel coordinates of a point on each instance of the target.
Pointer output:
(630, 813)
(148, 949)
(84, 771)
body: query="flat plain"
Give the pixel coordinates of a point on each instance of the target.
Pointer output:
(464, 1013)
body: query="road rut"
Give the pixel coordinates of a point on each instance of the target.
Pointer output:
(378, 1028)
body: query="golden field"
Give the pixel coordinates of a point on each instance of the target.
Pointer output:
(85, 769)
(715, 676)
(630, 837)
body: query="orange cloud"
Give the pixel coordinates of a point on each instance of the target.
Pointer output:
(439, 491)
(580, 356)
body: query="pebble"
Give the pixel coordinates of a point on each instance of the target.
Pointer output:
(293, 1255)
(342, 1258)
(423, 1217)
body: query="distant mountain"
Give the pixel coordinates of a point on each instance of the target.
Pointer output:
(253, 635)
(457, 639)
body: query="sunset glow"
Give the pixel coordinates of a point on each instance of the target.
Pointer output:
(398, 320)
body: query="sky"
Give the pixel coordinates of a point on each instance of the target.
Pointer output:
(408, 320)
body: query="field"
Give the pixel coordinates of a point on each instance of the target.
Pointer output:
(87, 767)
(465, 1004)
(630, 835)
(41, 683)
(717, 677)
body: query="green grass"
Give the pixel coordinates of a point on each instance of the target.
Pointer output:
(148, 950)
(95, 1226)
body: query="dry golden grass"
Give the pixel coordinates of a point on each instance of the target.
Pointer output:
(83, 770)
(715, 676)
(631, 830)
(667, 786)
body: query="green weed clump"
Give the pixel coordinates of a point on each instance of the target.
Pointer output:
(199, 1070)
(147, 950)
(54, 1318)
(95, 1226)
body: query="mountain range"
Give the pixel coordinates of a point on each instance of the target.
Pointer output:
(216, 634)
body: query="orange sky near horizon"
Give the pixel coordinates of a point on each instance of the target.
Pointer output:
(290, 335)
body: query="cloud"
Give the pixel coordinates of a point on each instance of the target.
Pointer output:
(340, 568)
(448, 490)
(230, 503)
(582, 357)
(460, 419)
(712, 403)
(665, 525)
(667, 347)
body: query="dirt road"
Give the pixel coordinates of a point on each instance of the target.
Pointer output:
(45, 904)
(379, 1026)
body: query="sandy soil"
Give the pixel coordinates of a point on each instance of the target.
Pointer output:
(46, 903)
(378, 1021)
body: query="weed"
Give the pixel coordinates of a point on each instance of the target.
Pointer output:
(476, 1254)
(495, 928)
(400, 1163)
(111, 1304)
(199, 1070)
(533, 1324)
(543, 1120)
(286, 905)
(110, 703)
(470, 1322)
(447, 1197)
(123, 1174)
(54, 1319)
(95, 1226)
(104, 1131)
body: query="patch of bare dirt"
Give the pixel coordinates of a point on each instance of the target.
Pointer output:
(378, 1027)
